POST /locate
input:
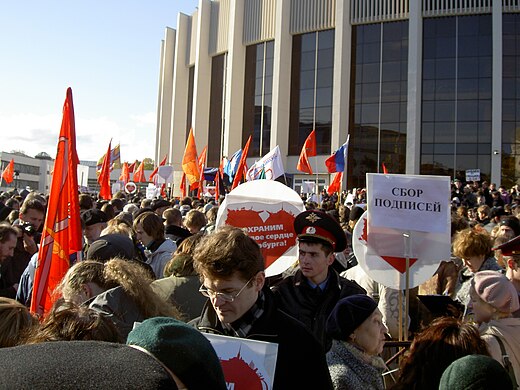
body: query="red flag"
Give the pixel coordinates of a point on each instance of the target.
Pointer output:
(125, 175)
(104, 177)
(218, 179)
(182, 187)
(131, 167)
(241, 165)
(8, 173)
(202, 163)
(189, 160)
(163, 162)
(139, 174)
(61, 237)
(385, 171)
(308, 150)
(335, 185)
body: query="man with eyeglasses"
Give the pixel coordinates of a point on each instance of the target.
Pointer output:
(231, 268)
(312, 292)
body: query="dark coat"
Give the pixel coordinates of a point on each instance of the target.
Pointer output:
(296, 297)
(301, 361)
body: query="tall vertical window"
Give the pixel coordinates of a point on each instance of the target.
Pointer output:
(311, 90)
(216, 110)
(456, 96)
(258, 97)
(510, 100)
(378, 100)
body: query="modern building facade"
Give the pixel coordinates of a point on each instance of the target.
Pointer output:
(423, 87)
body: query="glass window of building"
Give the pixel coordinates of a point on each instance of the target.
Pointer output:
(456, 96)
(216, 110)
(258, 97)
(378, 100)
(311, 90)
(510, 99)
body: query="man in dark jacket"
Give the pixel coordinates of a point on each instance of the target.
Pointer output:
(232, 269)
(312, 292)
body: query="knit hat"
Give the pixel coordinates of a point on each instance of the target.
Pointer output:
(348, 314)
(497, 290)
(109, 246)
(475, 372)
(183, 349)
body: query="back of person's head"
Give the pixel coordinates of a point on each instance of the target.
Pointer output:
(85, 202)
(186, 201)
(435, 348)
(6, 232)
(118, 204)
(475, 372)
(108, 209)
(194, 220)
(228, 250)
(67, 321)
(181, 263)
(114, 227)
(472, 242)
(15, 322)
(458, 223)
(211, 214)
(151, 223)
(173, 216)
(130, 208)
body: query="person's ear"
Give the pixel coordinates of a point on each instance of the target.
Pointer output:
(259, 280)
(330, 258)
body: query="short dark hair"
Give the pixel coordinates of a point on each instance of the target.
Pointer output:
(34, 204)
(228, 250)
(6, 231)
(152, 224)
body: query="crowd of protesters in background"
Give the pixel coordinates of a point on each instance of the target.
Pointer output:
(143, 258)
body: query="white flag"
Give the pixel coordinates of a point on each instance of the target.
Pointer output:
(269, 167)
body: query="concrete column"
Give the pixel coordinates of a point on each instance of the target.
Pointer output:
(496, 98)
(413, 116)
(282, 79)
(341, 81)
(164, 115)
(235, 73)
(202, 79)
(180, 92)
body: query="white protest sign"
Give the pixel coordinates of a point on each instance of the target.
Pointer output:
(151, 191)
(473, 175)
(164, 174)
(409, 202)
(266, 210)
(247, 364)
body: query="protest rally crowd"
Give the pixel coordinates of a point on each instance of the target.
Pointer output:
(156, 274)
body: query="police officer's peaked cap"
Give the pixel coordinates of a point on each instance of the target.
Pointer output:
(316, 226)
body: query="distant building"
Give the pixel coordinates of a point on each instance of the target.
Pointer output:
(425, 87)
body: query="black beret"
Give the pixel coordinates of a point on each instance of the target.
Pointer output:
(93, 216)
(109, 246)
(355, 213)
(158, 203)
(348, 314)
(317, 226)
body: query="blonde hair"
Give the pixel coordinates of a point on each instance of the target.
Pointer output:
(472, 242)
(15, 321)
(117, 228)
(133, 278)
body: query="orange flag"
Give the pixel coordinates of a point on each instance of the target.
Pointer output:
(131, 167)
(61, 237)
(8, 173)
(241, 165)
(139, 174)
(385, 171)
(202, 164)
(154, 172)
(125, 175)
(335, 185)
(104, 177)
(190, 164)
(308, 150)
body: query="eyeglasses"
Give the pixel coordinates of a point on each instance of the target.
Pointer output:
(225, 296)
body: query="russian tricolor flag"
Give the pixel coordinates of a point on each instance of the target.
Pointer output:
(336, 162)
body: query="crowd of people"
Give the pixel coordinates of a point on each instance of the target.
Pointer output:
(157, 273)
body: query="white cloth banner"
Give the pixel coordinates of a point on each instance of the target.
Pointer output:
(271, 163)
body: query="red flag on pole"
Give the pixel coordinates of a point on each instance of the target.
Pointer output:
(308, 150)
(385, 171)
(8, 173)
(125, 175)
(189, 161)
(218, 180)
(61, 237)
(131, 167)
(202, 163)
(139, 174)
(335, 185)
(154, 172)
(104, 177)
(241, 165)
(182, 187)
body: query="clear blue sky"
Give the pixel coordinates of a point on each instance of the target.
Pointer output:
(107, 51)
